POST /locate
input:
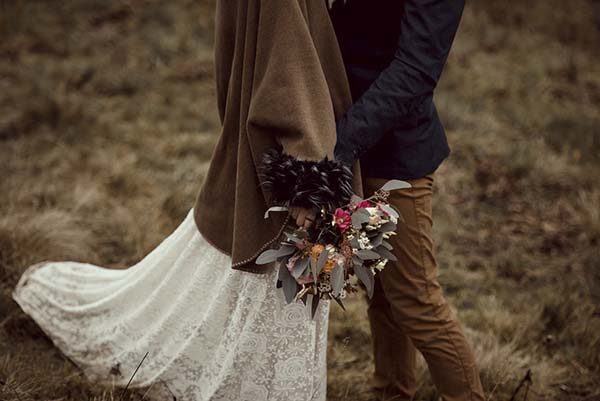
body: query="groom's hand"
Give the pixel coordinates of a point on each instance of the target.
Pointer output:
(305, 218)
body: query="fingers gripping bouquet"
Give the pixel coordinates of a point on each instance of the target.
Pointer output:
(347, 244)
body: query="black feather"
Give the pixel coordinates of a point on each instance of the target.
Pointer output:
(305, 183)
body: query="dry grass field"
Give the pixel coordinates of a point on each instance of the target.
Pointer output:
(107, 123)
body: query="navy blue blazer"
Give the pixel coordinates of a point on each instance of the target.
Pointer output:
(394, 52)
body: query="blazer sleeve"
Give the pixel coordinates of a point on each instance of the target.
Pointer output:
(428, 28)
(291, 104)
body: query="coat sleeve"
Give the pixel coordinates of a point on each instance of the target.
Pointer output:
(428, 28)
(291, 104)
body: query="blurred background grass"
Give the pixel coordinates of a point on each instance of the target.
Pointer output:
(108, 120)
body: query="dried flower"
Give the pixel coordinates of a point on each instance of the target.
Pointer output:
(363, 204)
(316, 250)
(329, 265)
(342, 219)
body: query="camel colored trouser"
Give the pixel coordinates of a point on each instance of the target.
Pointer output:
(408, 311)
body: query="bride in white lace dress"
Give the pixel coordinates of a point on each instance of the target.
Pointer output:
(192, 315)
(211, 332)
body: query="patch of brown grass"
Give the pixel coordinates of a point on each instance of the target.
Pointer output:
(109, 119)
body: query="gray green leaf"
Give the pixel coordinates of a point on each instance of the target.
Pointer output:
(365, 275)
(367, 254)
(392, 185)
(268, 256)
(389, 210)
(300, 267)
(360, 217)
(337, 279)
(289, 284)
(385, 254)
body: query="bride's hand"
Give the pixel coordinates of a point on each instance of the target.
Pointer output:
(305, 218)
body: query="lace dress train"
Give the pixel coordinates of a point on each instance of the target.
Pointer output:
(207, 332)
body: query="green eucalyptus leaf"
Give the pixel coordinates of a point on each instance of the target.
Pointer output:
(388, 227)
(289, 284)
(300, 267)
(389, 210)
(360, 217)
(293, 238)
(286, 250)
(356, 199)
(337, 280)
(377, 240)
(387, 245)
(392, 185)
(283, 271)
(385, 254)
(367, 254)
(365, 275)
(268, 256)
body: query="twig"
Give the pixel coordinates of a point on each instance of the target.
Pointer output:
(132, 376)
(527, 379)
(489, 398)
(491, 394)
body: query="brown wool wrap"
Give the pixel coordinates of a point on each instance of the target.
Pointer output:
(280, 83)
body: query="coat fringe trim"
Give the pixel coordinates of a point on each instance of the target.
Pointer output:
(308, 184)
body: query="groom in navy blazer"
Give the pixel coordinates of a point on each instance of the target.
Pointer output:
(394, 52)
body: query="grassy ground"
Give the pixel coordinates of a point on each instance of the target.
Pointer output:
(107, 124)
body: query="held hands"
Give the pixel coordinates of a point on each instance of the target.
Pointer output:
(305, 218)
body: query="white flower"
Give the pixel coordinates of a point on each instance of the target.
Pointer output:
(375, 220)
(373, 211)
(364, 242)
(380, 265)
(324, 286)
(339, 259)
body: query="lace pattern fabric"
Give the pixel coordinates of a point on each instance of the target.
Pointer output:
(209, 332)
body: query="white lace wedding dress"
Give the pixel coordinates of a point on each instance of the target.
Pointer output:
(209, 332)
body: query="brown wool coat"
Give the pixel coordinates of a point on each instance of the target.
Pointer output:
(280, 81)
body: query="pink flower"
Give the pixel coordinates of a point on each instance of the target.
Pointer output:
(363, 204)
(342, 219)
(303, 280)
(292, 261)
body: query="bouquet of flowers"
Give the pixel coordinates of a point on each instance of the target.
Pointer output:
(347, 245)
